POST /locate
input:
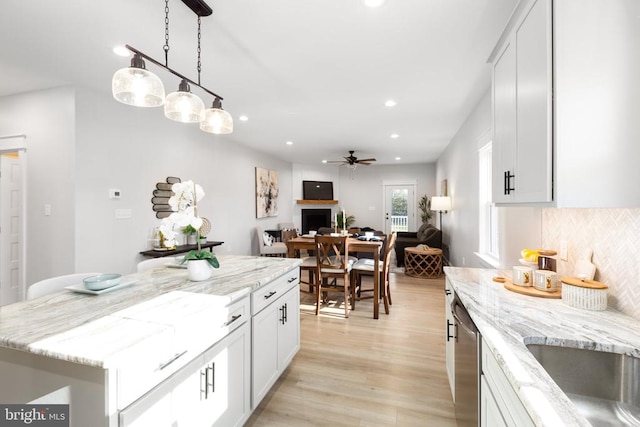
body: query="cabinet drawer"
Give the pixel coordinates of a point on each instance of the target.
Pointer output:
(194, 322)
(511, 408)
(265, 295)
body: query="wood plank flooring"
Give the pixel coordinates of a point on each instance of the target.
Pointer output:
(365, 372)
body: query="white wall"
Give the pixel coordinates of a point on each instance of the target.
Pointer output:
(363, 195)
(47, 119)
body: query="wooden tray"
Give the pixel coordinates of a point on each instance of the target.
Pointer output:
(531, 291)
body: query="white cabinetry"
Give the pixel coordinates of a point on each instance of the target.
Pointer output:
(275, 332)
(522, 107)
(450, 345)
(565, 105)
(499, 403)
(213, 389)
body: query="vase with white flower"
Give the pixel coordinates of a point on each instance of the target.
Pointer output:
(184, 204)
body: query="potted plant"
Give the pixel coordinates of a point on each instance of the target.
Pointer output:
(184, 203)
(202, 239)
(350, 220)
(425, 209)
(190, 232)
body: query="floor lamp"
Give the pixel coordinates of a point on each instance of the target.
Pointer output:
(441, 204)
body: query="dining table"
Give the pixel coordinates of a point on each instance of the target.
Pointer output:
(354, 244)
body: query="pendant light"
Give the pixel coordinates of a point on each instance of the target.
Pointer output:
(216, 120)
(136, 86)
(183, 106)
(139, 87)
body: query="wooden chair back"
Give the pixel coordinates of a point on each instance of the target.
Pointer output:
(332, 254)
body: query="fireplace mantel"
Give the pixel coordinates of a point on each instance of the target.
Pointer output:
(317, 202)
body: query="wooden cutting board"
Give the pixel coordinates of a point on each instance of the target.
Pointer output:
(531, 291)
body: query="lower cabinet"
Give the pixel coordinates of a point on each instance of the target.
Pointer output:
(275, 335)
(499, 403)
(211, 390)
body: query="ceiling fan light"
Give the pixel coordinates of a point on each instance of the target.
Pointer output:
(136, 86)
(216, 120)
(183, 106)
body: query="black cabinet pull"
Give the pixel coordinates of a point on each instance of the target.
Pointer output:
(233, 319)
(449, 336)
(447, 291)
(293, 279)
(272, 293)
(507, 182)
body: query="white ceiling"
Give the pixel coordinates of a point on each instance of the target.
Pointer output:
(314, 72)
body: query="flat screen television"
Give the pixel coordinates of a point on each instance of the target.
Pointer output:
(317, 190)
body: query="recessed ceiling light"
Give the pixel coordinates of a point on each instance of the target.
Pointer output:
(373, 3)
(398, 158)
(390, 103)
(121, 51)
(324, 161)
(395, 136)
(243, 118)
(289, 142)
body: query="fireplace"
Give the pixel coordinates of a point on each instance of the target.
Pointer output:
(313, 219)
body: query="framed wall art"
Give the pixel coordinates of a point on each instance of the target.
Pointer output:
(266, 193)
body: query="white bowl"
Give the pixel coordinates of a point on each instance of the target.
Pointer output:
(101, 281)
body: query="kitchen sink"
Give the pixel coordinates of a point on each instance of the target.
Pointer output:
(605, 387)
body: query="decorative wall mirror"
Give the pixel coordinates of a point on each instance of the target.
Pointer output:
(161, 195)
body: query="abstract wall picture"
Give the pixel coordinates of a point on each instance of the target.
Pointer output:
(266, 193)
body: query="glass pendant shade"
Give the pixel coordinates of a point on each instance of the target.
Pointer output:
(216, 120)
(183, 106)
(137, 86)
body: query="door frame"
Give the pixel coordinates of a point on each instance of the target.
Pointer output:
(412, 184)
(11, 144)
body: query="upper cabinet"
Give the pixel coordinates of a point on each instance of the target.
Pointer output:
(566, 104)
(522, 107)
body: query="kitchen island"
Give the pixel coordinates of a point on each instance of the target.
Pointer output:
(509, 321)
(124, 357)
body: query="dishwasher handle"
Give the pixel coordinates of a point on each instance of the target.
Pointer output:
(461, 315)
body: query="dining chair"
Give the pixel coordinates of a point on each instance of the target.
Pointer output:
(365, 267)
(267, 246)
(54, 284)
(152, 263)
(332, 258)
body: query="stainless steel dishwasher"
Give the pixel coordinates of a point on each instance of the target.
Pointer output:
(466, 366)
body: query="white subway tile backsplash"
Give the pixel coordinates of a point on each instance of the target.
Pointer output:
(614, 237)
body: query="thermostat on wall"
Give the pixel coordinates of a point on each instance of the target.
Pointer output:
(114, 193)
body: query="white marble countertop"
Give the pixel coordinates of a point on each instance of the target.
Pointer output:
(29, 325)
(508, 321)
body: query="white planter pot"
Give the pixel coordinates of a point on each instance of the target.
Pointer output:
(191, 239)
(199, 269)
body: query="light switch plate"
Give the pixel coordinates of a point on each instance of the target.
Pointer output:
(564, 250)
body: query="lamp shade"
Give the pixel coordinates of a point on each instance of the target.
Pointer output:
(441, 203)
(137, 86)
(216, 120)
(183, 106)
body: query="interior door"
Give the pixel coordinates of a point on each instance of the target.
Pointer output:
(10, 228)
(399, 208)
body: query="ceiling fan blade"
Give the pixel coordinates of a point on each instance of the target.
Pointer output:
(364, 163)
(366, 160)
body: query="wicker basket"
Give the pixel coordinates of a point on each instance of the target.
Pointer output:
(584, 294)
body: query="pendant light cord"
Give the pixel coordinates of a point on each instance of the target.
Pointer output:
(166, 33)
(199, 50)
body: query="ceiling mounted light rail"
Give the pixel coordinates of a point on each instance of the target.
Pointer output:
(139, 87)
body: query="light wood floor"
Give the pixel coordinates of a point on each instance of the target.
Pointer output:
(365, 372)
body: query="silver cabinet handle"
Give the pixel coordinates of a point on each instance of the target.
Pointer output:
(170, 361)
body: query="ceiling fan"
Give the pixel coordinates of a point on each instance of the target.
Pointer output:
(352, 160)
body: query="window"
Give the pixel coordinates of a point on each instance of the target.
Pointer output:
(488, 213)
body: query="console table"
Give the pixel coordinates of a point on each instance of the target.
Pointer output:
(179, 250)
